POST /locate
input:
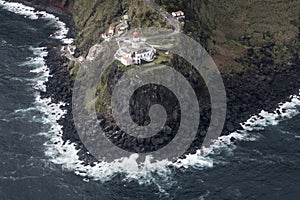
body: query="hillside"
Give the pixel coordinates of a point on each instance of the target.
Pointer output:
(92, 19)
(228, 29)
(254, 43)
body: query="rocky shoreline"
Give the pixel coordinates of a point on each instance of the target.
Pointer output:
(260, 87)
(58, 11)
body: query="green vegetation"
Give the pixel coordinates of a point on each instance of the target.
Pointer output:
(233, 32)
(109, 79)
(170, 5)
(73, 68)
(92, 18)
(220, 26)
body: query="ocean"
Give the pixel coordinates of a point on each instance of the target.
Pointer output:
(264, 162)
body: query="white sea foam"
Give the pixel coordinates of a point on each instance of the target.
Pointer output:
(52, 112)
(151, 171)
(202, 158)
(37, 64)
(33, 14)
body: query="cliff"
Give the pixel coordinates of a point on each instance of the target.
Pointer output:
(229, 30)
(254, 43)
(55, 6)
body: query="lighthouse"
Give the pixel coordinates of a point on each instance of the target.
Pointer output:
(136, 40)
(134, 50)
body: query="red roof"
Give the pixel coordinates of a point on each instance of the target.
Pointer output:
(178, 13)
(136, 34)
(127, 58)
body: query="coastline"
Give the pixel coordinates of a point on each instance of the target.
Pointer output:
(263, 88)
(59, 89)
(58, 12)
(260, 92)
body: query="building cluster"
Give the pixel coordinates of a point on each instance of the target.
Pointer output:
(131, 50)
(134, 50)
(118, 30)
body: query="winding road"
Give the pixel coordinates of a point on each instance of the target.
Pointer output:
(166, 16)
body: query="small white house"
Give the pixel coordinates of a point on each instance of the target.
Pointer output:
(111, 30)
(81, 58)
(71, 49)
(126, 61)
(125, 17)
(107, 36)
(178, 14)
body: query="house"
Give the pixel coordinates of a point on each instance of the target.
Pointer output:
(126, 61)
(134, 51)
(122, 27)
(111, 30)
(106, 36)
(178, 14)
(125, 17)
(71, 49)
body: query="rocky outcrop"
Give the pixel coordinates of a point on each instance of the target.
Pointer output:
(60, 8)
(260, 87)
(62, 5)
(248, 92)
(256, 51)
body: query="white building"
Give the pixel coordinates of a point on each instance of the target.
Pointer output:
(106, 36)
(71, 49)
(134, 51)
(178, 14)
(110, 34)
(125, 17)
(126, 61)
(111, 30)
(122, 27)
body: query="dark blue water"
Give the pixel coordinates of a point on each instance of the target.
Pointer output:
(267, 168)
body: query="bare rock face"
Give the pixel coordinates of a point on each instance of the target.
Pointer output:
(62, 5)
(254, 43)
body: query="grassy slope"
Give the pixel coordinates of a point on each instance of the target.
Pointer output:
(92, 18)
(219, 25)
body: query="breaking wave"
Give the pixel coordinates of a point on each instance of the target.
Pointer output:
(33, 14)
(151, 171)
